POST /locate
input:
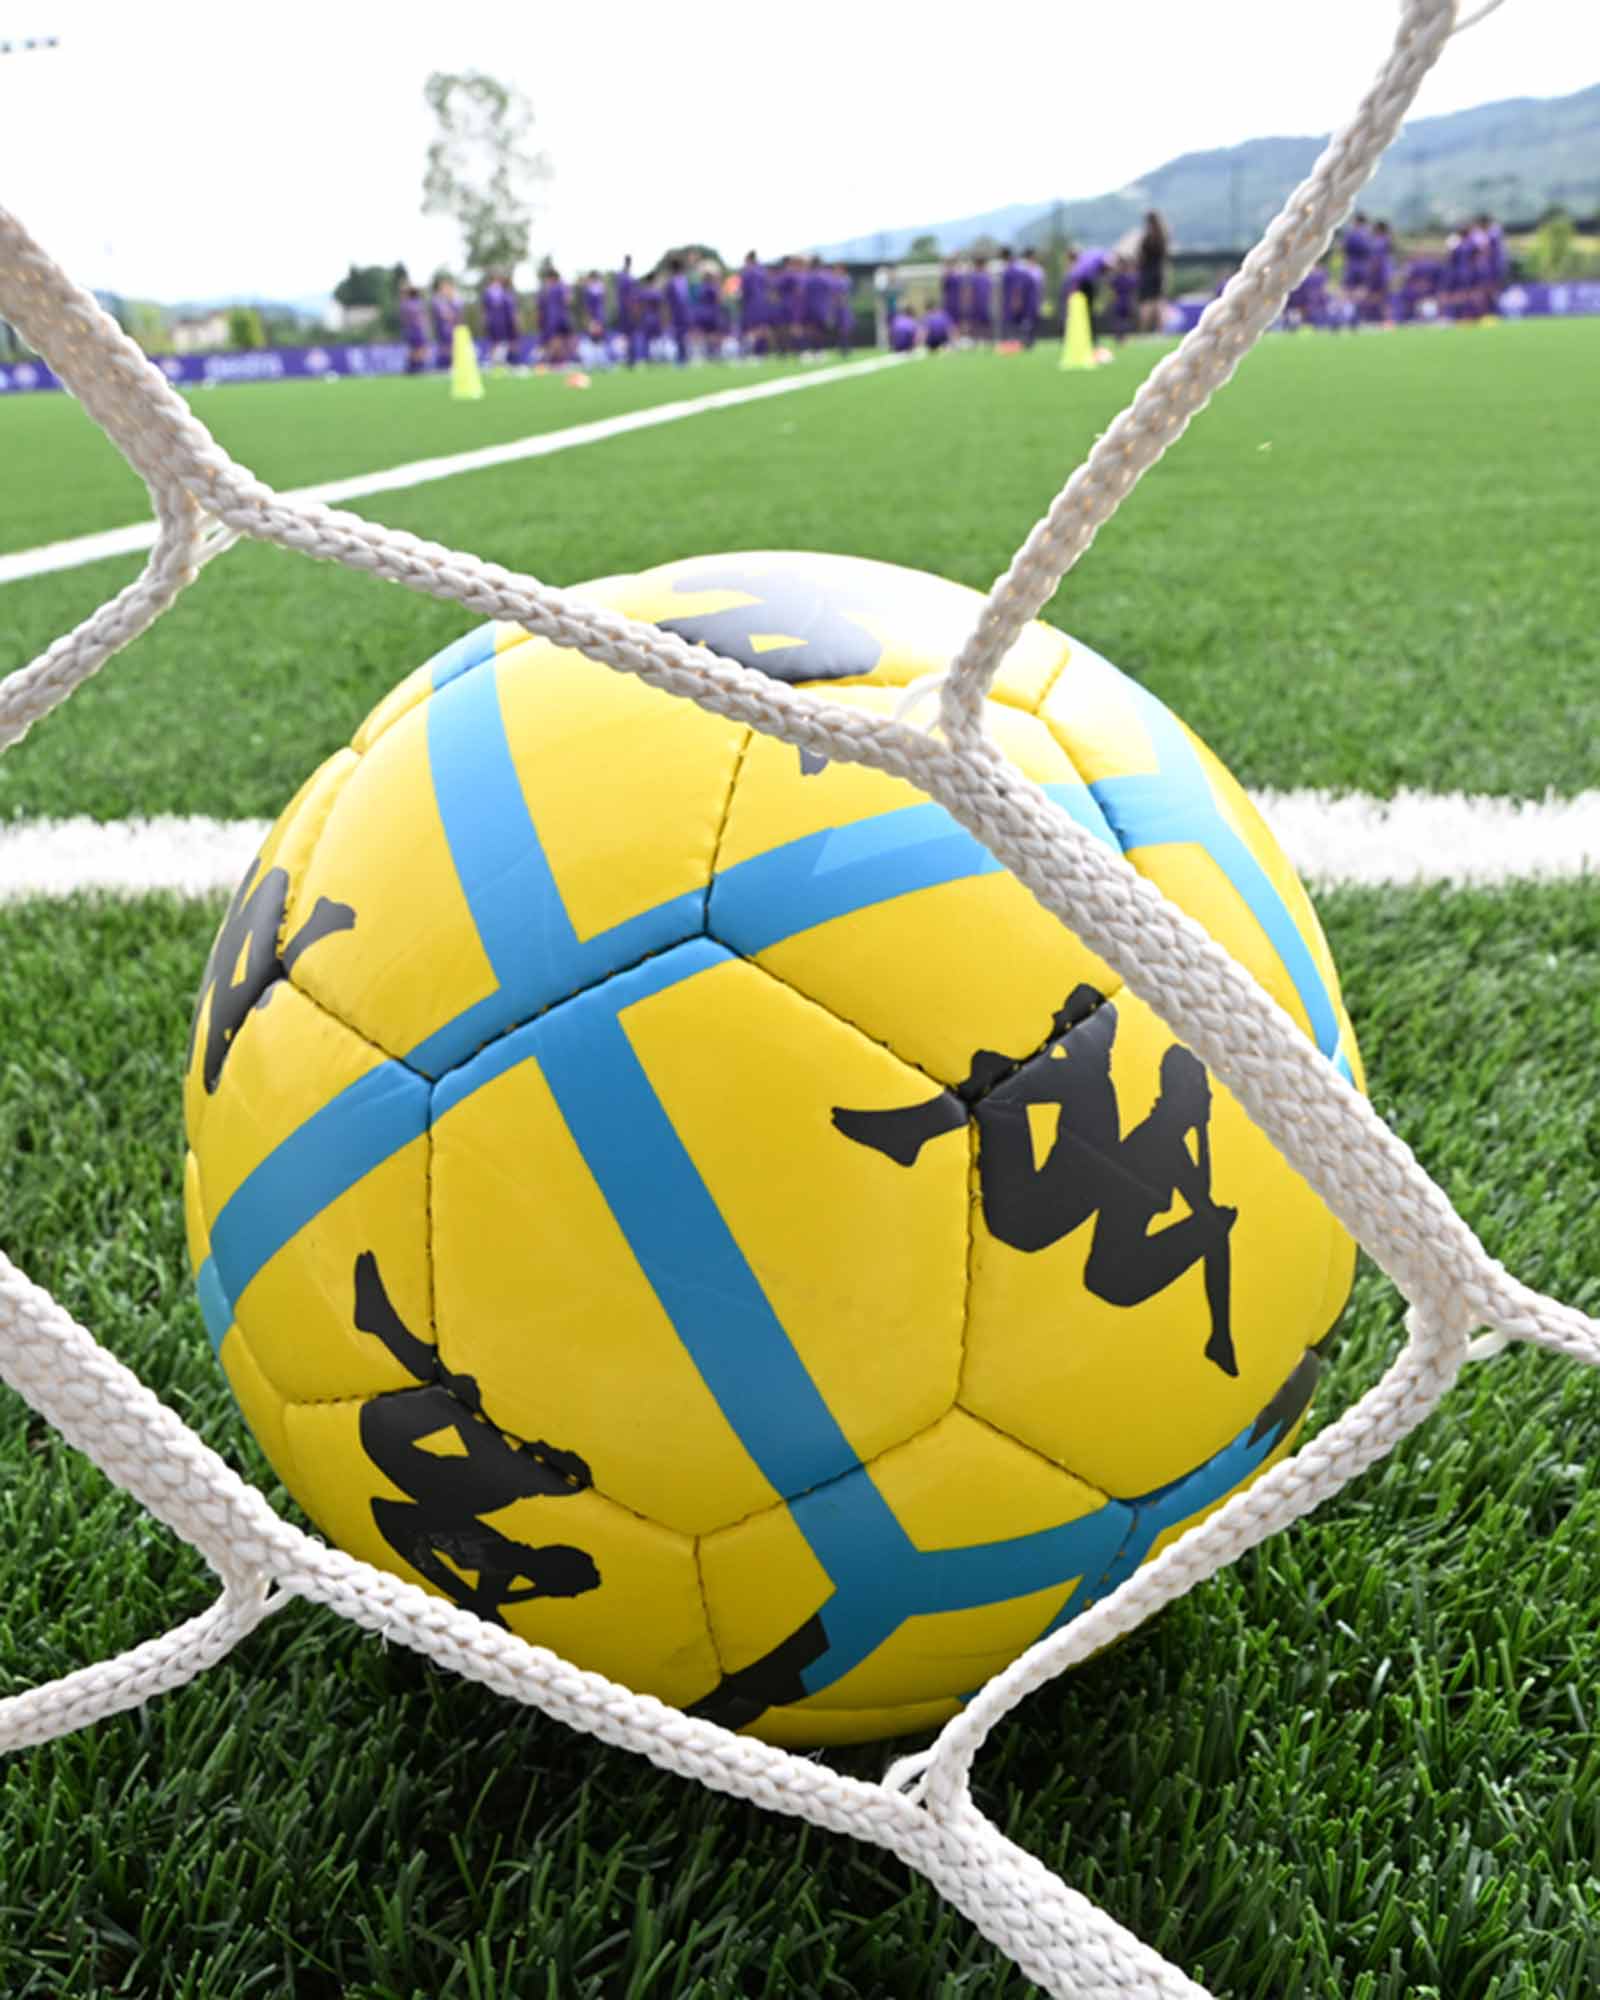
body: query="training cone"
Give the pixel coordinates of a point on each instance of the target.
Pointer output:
(1077, 343)
(466, 383)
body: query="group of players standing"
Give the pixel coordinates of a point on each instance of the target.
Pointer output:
(798, 306)
(801, 305)
(975, 304)
(1464, 284)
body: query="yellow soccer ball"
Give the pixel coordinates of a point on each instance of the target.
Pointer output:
(682, 1200)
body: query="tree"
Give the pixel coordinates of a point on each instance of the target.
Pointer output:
(692, 255)
(365, 285)
(923, 250)
(482, 169)
(1551, 253)
(1048, 238)
(245, 328)
(377, 286)
(146, 323)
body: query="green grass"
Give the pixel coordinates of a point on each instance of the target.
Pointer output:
(1369, 565)
(1361, 1761)
(297, 434)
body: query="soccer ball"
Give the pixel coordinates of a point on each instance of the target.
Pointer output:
(678, 1197)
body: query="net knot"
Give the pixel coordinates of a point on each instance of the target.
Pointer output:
(916, 694)
(908, 1775)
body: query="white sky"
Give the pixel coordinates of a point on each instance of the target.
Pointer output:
(215, 148)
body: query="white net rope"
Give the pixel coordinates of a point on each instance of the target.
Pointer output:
(923, 1811)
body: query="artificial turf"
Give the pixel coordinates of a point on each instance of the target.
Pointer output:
(1362, 1761)
(1368, 565)
(302, 433)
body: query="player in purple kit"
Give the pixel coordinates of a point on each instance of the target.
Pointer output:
(1418, 296)
(788, 305)
(592, 306)
(1455, 295)
(1124, 297)
(1493, 265)
(498, 304)
(1307, 304)
(555, 318)
(444, 309)
(414, 329)
(844, 309)
(937, 329)
(1010, 293)
(1013, 296)
(708, 314)
(645, 303)
(1087, 269)
(754, 281)
(623, 283)
(953, 291)
(1378, 275)
(799, 325)
(902, 328)
(980, 301)
(1356, 245)
(1032, 297)
(679, 308)
(1480, 282)
(816, 306)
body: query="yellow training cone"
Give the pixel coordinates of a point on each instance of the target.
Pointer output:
(1077, 342)
(466, 384)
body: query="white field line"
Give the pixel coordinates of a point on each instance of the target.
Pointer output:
(1336, 838)
(421, 472)
(1333, 839)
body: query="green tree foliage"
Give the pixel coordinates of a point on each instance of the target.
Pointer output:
(245, 328)
(146, 323)
(923, 249)
(482, 169)
(375, 285)
(1553, 253)
(366, 285)
(692, 256)
(1054, 247)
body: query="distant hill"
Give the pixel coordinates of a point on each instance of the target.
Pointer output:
(1515, 158)
(312, 308)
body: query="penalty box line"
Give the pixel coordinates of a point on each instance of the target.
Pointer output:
(1334, 839)
(141, 535)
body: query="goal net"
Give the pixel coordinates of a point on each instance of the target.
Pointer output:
(1462, 1302)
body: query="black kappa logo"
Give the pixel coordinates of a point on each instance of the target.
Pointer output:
(246, 965)
(816, 619)
(1093, 1171)
(438, 1530)
(799, 627)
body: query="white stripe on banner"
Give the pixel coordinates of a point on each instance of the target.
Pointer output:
(423, 471)
(1333, 839)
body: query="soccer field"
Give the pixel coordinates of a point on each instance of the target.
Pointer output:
(1363, 1759)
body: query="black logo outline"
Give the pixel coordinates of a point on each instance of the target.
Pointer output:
(1093, 1170)
(439, 1524)
(252, 927)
